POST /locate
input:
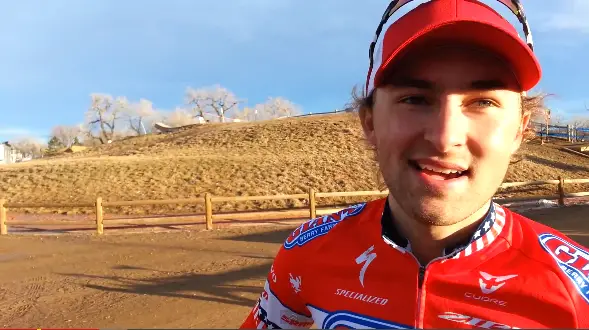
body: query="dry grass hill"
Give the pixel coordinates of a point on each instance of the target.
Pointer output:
(275, 157)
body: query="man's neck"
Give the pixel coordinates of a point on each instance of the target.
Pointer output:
(429, 241)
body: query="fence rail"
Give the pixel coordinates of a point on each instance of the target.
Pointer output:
(312, 211)
(570, 133)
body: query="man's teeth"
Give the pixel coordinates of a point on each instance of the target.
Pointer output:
(439, 169)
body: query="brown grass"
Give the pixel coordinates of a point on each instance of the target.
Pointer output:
(275, 157)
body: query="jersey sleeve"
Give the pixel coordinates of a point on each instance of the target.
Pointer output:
(571, 263)
(576, 268)
(280, 305)
(582, 310)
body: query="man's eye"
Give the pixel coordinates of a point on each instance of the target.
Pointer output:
(485, 103)
(416, 100)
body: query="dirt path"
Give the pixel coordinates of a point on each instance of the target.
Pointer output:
(166, 280)
(181, 279)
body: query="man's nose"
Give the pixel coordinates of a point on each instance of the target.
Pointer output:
(447, 127)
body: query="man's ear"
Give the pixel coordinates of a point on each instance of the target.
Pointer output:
(367, 120)
(525, 121)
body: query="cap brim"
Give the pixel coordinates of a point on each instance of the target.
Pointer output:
(512, 49)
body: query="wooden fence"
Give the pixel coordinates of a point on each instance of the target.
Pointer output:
(208, 201)
(571, 133)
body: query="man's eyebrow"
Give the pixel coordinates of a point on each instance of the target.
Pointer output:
(488, 84)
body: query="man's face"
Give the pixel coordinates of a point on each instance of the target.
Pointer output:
(445, 126)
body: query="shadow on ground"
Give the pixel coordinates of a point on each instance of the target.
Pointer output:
(562, 166)
(275, 236)
(217, 287)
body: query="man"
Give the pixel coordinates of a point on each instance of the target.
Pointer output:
(444, 110)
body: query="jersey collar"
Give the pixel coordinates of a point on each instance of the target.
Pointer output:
(484, 235)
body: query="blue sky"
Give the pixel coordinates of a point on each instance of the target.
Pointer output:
(54, 54)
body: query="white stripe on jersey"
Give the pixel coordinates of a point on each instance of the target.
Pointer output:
(272, 313)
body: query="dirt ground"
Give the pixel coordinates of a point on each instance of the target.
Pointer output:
(179, 279)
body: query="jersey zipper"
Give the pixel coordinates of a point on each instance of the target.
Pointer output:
(420, 277)
(420, 290)
(420, 281)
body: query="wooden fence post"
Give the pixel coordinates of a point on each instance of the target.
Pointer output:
(312, 204)
(3, 219)
(560, 191)
(209, 211)
(99, 216)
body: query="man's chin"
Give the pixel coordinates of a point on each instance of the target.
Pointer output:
(439, 210)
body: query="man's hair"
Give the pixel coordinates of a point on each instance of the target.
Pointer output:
(532, 104)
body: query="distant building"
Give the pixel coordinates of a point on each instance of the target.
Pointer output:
(201, 119)
(7, 153)
(10, 155)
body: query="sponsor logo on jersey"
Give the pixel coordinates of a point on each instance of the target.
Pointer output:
(294, 323)
(273, 274)
(490, 283)
(361, 296)
(473, 321)
(317, 227)
(483, 298)
(295, 283)
(351, 320)
(572, 260)
(366, 258)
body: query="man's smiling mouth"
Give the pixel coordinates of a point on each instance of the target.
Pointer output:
(439, 170)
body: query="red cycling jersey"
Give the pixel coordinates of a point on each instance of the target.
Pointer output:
(352, 269)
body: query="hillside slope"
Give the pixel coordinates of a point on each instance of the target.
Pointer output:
(275, 157)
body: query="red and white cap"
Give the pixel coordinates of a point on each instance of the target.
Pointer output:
(468, 21)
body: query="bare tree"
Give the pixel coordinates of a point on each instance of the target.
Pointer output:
(30, 147)
(180, 117)
(140, 116)
(103, 116)
(276, 107)
(247, 114)
(66, 134)
(211, 100)
(541, 116)
(580, 121)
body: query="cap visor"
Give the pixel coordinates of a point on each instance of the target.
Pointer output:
(511, 48)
